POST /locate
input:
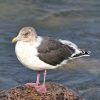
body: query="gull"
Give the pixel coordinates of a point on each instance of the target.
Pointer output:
(42, 53)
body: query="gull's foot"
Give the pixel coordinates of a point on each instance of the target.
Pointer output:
(31, 84)
(41, 89)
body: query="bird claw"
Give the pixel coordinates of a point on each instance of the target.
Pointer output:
(39, 88)
(31, 84)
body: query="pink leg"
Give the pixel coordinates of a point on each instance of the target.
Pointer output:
(42, 88)
(39, 88)
(45, 73)
(37, 81)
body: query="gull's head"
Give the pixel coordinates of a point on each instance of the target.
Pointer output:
(26, 34)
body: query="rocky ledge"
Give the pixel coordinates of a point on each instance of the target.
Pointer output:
(55, 91)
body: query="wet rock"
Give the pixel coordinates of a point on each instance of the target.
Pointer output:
(55, 91)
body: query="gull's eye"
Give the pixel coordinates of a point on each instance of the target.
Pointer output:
(26, 35)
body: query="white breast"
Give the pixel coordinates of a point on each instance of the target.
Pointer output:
(27, 55)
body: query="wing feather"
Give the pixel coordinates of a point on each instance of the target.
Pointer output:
(53, 51)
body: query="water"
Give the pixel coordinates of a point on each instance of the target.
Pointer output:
(75, 20)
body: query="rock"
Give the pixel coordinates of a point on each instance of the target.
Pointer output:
(55, 91)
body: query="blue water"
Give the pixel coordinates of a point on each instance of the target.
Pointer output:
(75, 20)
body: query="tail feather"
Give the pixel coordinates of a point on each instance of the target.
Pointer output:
(82, 53)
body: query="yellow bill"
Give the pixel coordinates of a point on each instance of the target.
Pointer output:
(14, 40)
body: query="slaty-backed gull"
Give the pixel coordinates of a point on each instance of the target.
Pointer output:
(43, 53)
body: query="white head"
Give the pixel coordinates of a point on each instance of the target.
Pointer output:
(26, 34)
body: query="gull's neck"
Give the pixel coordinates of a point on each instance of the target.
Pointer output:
(35, 42)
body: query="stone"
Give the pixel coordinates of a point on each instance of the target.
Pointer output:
(55, 91)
